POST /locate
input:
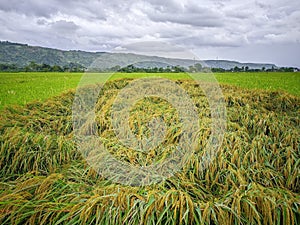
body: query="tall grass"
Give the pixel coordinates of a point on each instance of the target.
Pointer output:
(24, 87)
(254, 179)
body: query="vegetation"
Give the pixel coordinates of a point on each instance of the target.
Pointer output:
(44, 179)
(22, 54)
(21, 88)
(254, 178)
(76, 67)
(263, 69)
(288, 82)
(133, 69)
(34, 67)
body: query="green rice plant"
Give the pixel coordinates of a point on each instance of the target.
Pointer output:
(24, 87)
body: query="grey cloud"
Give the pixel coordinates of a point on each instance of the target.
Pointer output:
(279, 54)
(189, 14)
(170, 5)
(38, 8)
(190, 19)
(101, 25)
(30, 7)
(151, 46)
(239, 14)
(213, 40)
(64, 26)
(262, 5)
(156, 48)
(41, 22)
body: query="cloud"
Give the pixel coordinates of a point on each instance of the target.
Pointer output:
(190, 14)
(48, 9)
(103, 25)
(30, 7)
(156, 48)
(120, 48)
(215, 40)
(63, 26)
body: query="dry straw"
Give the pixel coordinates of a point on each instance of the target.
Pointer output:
(254, 178)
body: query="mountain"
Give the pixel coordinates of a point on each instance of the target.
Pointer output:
(22, 54)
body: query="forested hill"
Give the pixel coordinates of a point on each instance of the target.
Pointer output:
(22, 54)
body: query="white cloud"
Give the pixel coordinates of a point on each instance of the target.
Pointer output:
(104, 25)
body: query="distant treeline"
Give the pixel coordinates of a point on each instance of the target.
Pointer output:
(76, 67)
(168, 69)
(263, 69)
(34, 67)
(191, 69)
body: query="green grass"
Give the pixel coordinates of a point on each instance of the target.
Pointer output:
(21, 88)
(289, 82)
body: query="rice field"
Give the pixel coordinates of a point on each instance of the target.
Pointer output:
(254, 178)
(22, 88)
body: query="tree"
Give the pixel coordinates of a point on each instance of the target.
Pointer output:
(192, 69)
(32, 67)
(9, 67)
(115, 68)
(160, 70)
(198, 67)
(74, 67)
(56, 68)
(45, 67)
(236, 69)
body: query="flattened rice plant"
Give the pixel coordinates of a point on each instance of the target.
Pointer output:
(254, 179)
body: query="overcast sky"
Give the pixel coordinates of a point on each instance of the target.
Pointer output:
(243, 30)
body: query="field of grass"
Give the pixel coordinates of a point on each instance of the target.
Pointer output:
(289, 82)
(254, 178)
(21, 88)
